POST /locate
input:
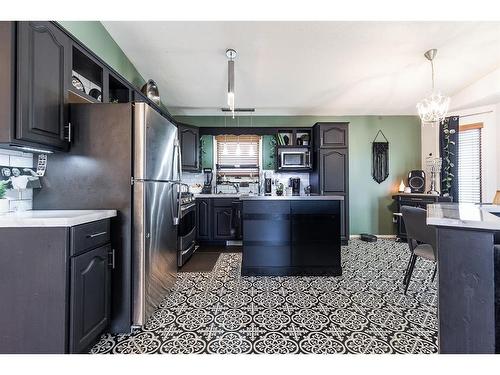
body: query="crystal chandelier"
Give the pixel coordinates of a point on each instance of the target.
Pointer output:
(434, 107)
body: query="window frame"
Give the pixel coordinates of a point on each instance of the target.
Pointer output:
(258, 169)
(470, 127)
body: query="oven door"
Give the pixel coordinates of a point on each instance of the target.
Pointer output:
(186, 233)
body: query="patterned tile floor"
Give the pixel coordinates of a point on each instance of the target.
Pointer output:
(363, 311)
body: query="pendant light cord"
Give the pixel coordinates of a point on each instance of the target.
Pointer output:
(432, 69)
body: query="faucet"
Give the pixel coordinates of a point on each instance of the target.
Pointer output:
(236, 186)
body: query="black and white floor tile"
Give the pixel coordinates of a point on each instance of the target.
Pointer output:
(363, 311)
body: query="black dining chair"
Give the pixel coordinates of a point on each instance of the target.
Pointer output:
(421, 240)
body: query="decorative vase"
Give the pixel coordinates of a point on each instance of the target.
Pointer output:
(4, 206)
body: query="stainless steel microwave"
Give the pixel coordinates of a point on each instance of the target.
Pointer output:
(294, 159)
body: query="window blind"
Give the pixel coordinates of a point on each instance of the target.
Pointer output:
(238, 155)
(469, 166)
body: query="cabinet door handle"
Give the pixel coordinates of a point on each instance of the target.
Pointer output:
(69, 137)
(96, 234)
(112, 263)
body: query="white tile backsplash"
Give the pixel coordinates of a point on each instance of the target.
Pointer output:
(27, 194)
(21, 205)
(4, 159)
(19, 200)
(21, 161)
(192, 179)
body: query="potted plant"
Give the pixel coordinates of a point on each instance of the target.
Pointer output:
(279, 189)
(4, 202)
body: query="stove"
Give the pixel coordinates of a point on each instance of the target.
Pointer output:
(186, 197)
(186, 234)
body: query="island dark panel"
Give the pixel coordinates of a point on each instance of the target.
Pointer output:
(466, 262)
(291, 237)
(315, 228)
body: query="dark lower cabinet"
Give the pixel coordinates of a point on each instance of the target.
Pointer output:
(222, 223)
(203, 214)
(218, 219)
(56, 292)
(90, 297)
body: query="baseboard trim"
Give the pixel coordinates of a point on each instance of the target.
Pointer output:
(384, 236)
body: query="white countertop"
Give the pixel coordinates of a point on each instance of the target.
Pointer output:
(53, 218)
(272, 197)
(217, 195)
(464, 215)
(294, 197)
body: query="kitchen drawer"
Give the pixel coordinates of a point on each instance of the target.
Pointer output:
(267, 206)
(223, 202)
(89, 235)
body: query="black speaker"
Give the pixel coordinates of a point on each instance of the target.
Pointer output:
(416, 181)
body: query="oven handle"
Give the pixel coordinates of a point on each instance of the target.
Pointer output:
(191, 205)
(193, 244)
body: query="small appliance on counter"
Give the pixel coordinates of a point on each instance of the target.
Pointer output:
(295, 185)
(267, 186)
(207, 181)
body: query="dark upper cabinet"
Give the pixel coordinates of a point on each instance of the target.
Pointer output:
(43, 73)
(222, 223)
(203, 219)
(189, 140)
(331, 135)
(90, 297)
(333, 171)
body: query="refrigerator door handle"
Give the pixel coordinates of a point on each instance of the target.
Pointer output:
(179, 202)
(134, 180)
(179, 159)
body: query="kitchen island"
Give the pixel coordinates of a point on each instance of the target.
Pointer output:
(468, 277)
(291, 235)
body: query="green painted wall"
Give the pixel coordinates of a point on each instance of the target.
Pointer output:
(97, 39)
(206, 151)
(268, 152)
(370, 203)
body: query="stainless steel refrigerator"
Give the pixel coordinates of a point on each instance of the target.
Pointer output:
(124, 157)
(156, 182)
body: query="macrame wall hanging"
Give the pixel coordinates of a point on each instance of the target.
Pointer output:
(380, 158)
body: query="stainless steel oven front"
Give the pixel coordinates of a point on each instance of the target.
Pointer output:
(294, 158)
(186, 233)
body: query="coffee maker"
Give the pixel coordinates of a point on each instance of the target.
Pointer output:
(268, 184)
(207, 183)
(295, 185)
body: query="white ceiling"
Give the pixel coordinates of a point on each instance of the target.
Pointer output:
(307, 68)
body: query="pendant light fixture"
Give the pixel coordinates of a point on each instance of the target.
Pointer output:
(231, 55)
(434, 107)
